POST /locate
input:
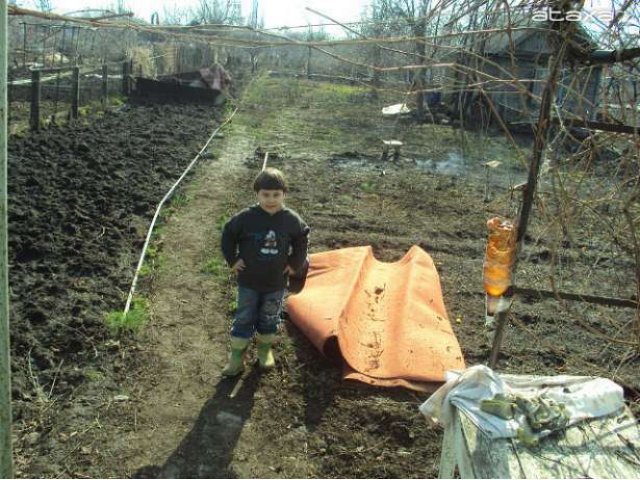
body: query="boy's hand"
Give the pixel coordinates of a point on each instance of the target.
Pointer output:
(238, 266)
(289, 271)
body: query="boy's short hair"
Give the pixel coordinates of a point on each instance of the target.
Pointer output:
(270, 179)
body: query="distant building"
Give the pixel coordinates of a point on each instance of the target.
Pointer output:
(523, 54)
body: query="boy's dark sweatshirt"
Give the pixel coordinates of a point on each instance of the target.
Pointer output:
(267, 244)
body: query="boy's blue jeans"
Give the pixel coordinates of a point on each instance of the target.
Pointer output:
(257, 311)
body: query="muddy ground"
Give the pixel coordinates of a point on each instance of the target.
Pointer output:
(91, 404)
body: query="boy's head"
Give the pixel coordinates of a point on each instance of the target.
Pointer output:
(270, 179)
(270, 187)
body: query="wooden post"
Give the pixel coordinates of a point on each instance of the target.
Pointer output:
(540, 143)
(310, 39)
(501, 320)
(6, 468)
(130, 79)
(35, 100)
(24, 45)
(75, 92)
(44, 45)
(105, 86)
(125, 78)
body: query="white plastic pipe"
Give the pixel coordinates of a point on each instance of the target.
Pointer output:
(162, 202)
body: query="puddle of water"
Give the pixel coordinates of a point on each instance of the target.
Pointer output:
(350, 162)
(454, 165)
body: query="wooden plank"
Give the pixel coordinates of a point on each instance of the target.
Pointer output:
(448, 454)
(28, 81)
(607, 447)
(602, 126)
(482, 456)
(69, 69)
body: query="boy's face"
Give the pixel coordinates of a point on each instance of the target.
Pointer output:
(271, 201)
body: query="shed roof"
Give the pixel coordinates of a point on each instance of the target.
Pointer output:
(528, 25)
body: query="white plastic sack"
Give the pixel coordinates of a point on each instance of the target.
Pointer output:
(397, 109)
(583, 397)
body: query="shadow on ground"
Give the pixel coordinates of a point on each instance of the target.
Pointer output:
(321, 378)
(207, 450)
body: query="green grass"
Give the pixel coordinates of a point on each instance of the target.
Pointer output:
(153, 259)
(180, 200)
(369, 187)
(216, 266)
(232, 307)
(94, 375)
(176, 203)
(117, 322)
(221, 221)
(117, 100)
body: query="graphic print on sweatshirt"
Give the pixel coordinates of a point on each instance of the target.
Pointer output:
(268, 245)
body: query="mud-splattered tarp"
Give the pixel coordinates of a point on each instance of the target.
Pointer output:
(387, 320)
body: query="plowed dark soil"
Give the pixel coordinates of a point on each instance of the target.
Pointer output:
(81, 200)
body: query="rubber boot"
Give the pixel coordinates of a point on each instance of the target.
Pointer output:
(265, 355)
(235, 365)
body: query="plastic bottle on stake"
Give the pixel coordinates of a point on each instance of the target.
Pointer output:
(498, 261)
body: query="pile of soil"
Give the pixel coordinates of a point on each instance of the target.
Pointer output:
(81, 198)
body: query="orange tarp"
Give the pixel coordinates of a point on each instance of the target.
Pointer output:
(389, 319)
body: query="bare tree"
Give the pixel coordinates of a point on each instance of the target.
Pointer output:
(175, 15)
(253, 23)
(43, 5)
(120, 6)
(217, 11)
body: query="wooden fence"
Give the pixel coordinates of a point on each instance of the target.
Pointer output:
(72, 94)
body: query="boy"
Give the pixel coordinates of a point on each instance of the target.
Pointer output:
(262, 244)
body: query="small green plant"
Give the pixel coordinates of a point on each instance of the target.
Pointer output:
(180, 200)
(215, 266)
(221, 221)
(152, 261)
(368, 187)
(94, 375)
(152, 251)
(145, 270)
(232, 307)
(117, 100)
(118, 323)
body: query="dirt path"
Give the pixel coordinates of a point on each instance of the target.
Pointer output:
(187, 414)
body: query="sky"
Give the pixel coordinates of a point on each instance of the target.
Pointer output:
(275, 13)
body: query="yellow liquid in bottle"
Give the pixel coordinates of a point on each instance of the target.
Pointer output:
(499, 256)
